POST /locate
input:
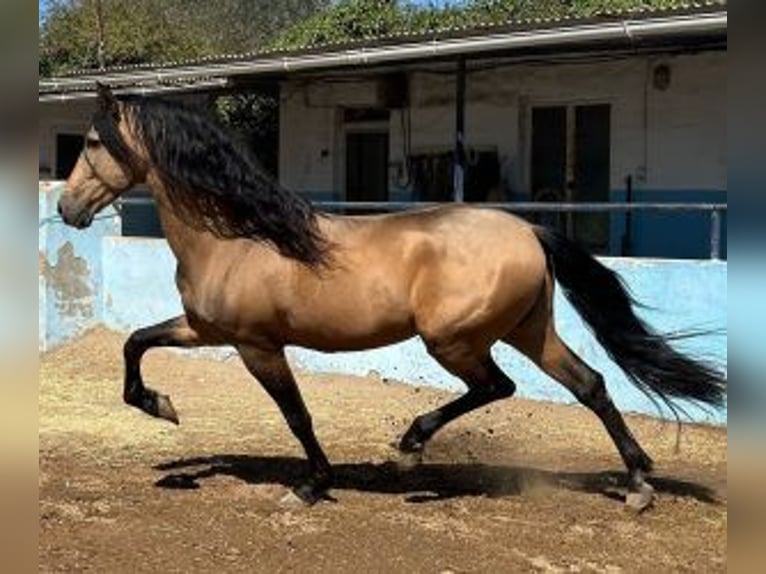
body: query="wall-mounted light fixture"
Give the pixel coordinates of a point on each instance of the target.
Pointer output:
(661, 80)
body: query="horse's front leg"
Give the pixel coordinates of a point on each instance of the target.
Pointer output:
(172, 333)
(272, 371)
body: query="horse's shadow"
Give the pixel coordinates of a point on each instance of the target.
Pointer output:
(420, 483)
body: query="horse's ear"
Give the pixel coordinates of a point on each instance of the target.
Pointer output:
(106, 100)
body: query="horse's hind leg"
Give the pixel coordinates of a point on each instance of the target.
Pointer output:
(486, 383)
(175, 332)
(547, 350)
(274, 374)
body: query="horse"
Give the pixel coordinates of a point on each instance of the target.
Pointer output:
(259, 268)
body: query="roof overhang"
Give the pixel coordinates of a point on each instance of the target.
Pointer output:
(201, 76)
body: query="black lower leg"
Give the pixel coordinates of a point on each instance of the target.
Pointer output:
(173, 333)
(598, 400)
(320, 471)
(589, 388)
(272, 371)
(480, 393)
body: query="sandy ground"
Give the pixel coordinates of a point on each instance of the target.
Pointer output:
(520, 486)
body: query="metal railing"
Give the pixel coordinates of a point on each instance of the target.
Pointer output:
(715, 211)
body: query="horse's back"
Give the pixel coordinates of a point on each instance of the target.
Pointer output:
(471, 269)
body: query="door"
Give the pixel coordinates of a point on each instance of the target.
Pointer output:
(549, 161)
(591, 174)
(68, 150)
(367, 166)
(570, 163)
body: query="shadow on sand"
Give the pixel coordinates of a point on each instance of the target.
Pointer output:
(420, 483)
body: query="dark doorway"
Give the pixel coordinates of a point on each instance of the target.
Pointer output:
(549, 153)
(68, 150)
(367, 166)
(570, 163)
(549, 161)
(591, 174)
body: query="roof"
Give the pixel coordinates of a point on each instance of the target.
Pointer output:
(672, 20)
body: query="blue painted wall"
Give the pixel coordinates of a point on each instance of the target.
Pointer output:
(131, 284)
(672, 235)
(70, 270)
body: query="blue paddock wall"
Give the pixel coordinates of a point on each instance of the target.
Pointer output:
(96, 277)
(70, 271)
(672, 234)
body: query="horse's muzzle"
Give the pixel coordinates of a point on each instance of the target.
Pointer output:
(79, 218)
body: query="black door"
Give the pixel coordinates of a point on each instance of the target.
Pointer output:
(68, 149)
(367, 167)
(549, 161)
(591, 172)
(580, 174)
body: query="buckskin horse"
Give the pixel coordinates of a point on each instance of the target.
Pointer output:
(259, 268)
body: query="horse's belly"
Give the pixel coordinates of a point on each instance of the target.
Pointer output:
(335, 339)
(350, 324)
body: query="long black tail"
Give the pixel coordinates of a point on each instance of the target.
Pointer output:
(646, 357)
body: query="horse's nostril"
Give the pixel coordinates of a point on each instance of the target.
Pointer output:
(60, 210)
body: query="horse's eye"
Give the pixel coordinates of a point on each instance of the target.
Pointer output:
(92, 143)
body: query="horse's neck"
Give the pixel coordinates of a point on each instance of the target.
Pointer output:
(191, 246)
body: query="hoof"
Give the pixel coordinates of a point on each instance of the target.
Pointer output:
(411, 451)
(306, 495)
(154, 404)
(409, 460)
(641, 498)
(165, 409)
(291, 500)
(411, 445)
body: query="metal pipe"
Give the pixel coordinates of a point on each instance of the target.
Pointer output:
(525, 207)
(715, 234)
(627, 239)
(714, 209)
(628, 30)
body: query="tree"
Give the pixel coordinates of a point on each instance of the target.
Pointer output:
(155, 31)
(91, 34)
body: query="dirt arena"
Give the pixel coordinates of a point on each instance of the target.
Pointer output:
(518, 487)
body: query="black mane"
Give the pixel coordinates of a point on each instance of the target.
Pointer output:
(215, 183)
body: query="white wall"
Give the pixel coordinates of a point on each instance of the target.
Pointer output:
(674, 139)
(687, 125)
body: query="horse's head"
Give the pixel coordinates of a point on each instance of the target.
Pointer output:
(108, 166)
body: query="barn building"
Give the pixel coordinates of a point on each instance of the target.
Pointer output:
(622, 109)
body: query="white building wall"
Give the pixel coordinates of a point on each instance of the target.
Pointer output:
(311, 143)
(687, 125)
(674, 139)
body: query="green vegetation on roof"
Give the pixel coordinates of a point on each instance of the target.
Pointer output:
(354, 21)
(169, 32)
(145, 32)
